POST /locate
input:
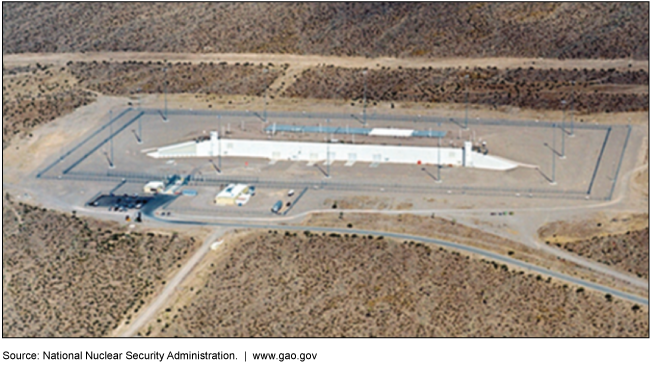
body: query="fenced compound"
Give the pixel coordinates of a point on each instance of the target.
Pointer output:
(430, 120)
(94, 141)
(324, 184)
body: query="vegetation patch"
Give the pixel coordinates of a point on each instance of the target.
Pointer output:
(65, 276)
(271, 285)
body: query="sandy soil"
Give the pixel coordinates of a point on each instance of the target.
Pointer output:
(235, 102)
(598, 225)
(36, 96)
(640, 179)
(25, 155)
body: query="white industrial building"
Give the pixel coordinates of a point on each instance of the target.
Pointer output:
(154, 187)
(349, 153)
(233, 194)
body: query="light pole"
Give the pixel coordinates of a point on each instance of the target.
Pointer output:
(165, 92)
(112, 165)
(573, 97)
(466, 101)
(328, 150)
(266, 88)
(219, 141)
(439, 180)
(139, 119)
(553, 152)
(563, 156)
(365, 90)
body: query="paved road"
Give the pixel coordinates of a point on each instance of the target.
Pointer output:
(530, 240)
(481, 252)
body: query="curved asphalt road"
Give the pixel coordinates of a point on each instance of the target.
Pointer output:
(487, 254)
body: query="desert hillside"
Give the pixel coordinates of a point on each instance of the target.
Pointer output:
(66, 276)
(310, 285)
(585, 90)
(552, 30)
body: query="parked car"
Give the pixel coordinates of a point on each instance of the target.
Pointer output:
(277, 207)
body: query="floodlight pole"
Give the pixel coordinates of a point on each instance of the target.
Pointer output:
(563, 156)
(165, 92)
(139, 119)
(573, 83)
(553, 152)
(466, 102)
(328, 151)
(439, 180)
(219, 141)
(266, 91)
(365, 91)
(110, 113)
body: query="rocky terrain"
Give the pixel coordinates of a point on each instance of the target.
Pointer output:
(585, 90)
(550, 30)
(65, 276)
(280, 284)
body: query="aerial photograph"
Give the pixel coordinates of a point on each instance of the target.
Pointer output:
(325, 170)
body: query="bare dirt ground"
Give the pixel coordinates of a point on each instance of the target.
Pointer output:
(35, 96)
(454, 110)
(26, 153)
(311, 61)
(599, 225)
(640, 179)
(66, 276)
(333, 286)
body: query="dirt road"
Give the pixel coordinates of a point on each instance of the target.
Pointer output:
(170, 288)
(302, 61)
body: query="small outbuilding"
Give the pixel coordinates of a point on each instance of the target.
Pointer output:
(154, 187)
(230, 195)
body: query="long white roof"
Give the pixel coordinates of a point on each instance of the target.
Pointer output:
(391, 132)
